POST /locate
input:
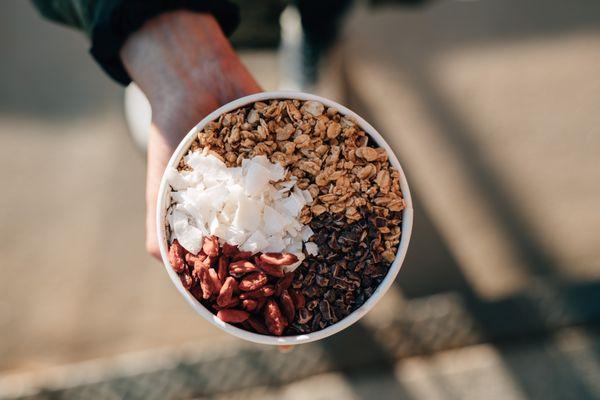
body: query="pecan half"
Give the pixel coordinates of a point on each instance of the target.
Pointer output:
(283, 283)
(210, 246)
(274, 319)
(287, 305)
(232, 316)
(265, 291)
(249, 304)
(239, 268)
(278, 259)
(253, 281)
(222, 268)
(272, 270)
(216, 282)
(226, 292)
(205, 283)
(177, 256)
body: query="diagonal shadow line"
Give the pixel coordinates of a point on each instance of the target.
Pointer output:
(429, 267)
(515, 226)
(458, 136)
(525, 243)
(358, 343)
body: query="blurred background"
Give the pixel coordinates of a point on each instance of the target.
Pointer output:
(493, 108)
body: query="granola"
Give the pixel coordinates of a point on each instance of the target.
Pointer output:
(326, 151)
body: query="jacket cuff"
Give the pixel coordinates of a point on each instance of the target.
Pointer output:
(111, 27)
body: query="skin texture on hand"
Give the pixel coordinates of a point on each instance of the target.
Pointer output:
(187, 68)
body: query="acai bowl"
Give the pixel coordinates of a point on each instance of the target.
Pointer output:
(283, 217)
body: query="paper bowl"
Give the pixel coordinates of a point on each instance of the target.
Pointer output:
(164, 202)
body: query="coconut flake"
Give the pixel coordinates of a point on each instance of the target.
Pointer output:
(273, 221)
(177, 180)
(276, 244)
(311, 248)
(255, 243)
(190, 239)
(290, 206)
(307, 196)
(277, 172)
(306, 233)
(187, 235)
(239, 205)
(247, 216)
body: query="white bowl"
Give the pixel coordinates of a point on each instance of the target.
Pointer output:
(164, 202)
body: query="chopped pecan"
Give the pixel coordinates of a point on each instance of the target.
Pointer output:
(298, 298)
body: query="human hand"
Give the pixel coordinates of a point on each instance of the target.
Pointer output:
(187, 68)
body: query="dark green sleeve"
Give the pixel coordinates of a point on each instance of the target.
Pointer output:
(75, 13)
(108, 22)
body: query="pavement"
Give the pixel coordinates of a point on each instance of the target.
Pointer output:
(495, 120)
(76, 282)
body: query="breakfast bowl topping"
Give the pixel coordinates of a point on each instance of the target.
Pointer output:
(283, 216)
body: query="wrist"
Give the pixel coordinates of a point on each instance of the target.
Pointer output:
(180, 58)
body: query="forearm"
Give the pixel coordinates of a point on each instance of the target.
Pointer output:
(187, 68)
(180, 57)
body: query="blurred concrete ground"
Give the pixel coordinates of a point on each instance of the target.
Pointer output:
(496, 119)
(493, 108)
(71, 240)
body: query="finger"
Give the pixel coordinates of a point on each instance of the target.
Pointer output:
(158, 154)
(151, 235)
(151, 238)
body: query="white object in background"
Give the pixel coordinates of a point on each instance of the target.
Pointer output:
(138, 115)
(290, 51)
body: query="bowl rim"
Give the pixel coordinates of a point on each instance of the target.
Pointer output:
(164, 203)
